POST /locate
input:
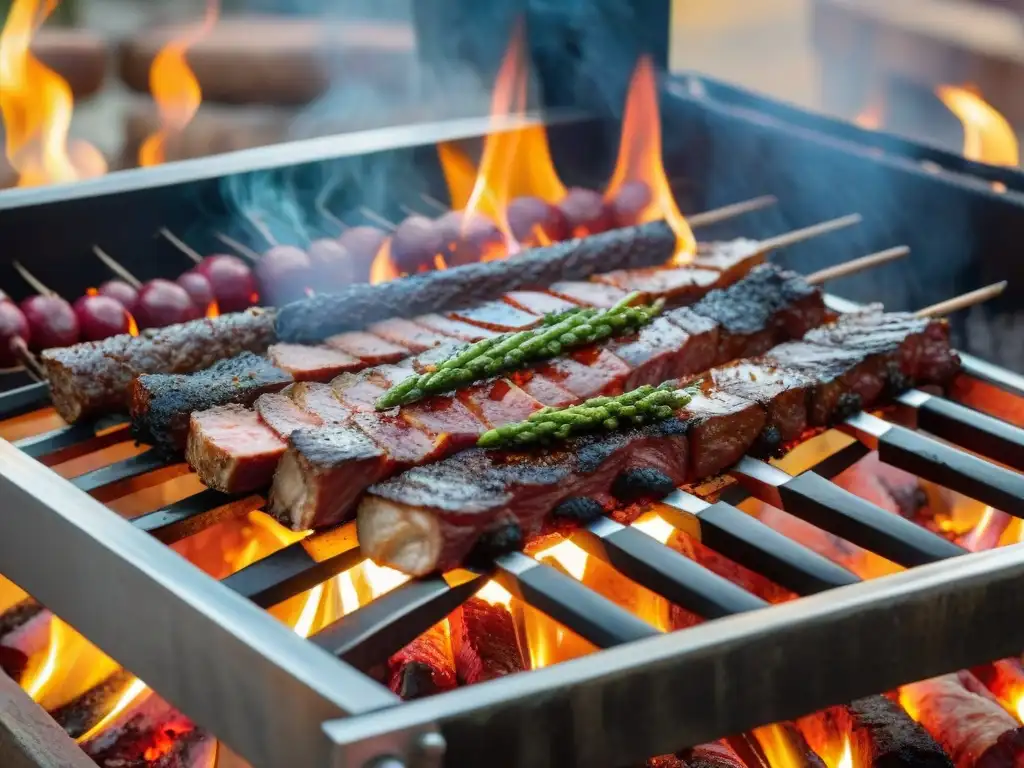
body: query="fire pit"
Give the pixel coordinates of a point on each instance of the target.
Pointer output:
(294, 648)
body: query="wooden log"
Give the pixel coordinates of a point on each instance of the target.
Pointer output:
(424, 667)
(271, 60)
(84, 711)
(484, 642)
(963, 717)
(881, 735)
(29, 738)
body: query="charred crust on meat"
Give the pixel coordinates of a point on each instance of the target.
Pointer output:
(641, 483)
(578, 509)
(768, 444)
(896, 381)
(416, 681)
(500, 541)
(847, 405)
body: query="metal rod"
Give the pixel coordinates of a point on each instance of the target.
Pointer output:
(66, 443)
(382, 627)
(376, 218)
(963, 301)
(815, 230)
(195, 513)
(286, 573)
(433, 201)
(30, 397)
(857, 265)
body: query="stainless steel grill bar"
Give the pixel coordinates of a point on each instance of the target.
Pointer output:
(941, 463)
(183, 518)
(372, 634)
(214, 655)
(870, 636)
(286, 573)
(747, 541)
(811, 497)
(69, 442)
(663, 570)
(145, 463)
(15, 402)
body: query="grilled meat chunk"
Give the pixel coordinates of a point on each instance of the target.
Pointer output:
(371, 349)
(95, 377)
(406, 333)
(161, 403)
(231, 448)
(681, 285)
(433, 516)
(309, 363)
(497, 316)
(537, 302)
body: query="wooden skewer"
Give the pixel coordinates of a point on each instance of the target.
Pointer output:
(857, 265)
(409, 211)
(433, 202)
(116, 268)
(376, 218)
(241, 248)
(730, 211)
(262, 228)
(962, 301)
(29, 361)
(181, 245)
(32, 280)
(322, 209)
(815, 230)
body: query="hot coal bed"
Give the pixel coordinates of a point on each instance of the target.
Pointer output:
(278, 699)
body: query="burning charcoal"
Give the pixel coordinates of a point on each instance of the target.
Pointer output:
(966, 720)
(484, 642)
(1005, 679)
(17, 615)
(85, 711)
(12, 662)
(715, 755)
(424, 667)
(150, 734)
(881, 734)
(31, 636)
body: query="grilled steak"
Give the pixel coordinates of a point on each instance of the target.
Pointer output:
(498, 316)
(437, 516)
(161, 403)
(308, 363)
(231, 448)
(95, 377)
(371, 349)
(406, 333)
(659, 352)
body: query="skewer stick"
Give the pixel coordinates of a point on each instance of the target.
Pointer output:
(321, 205)
(433, 202)
(241, 248)
(262, 228)
(963, 301)
(31, 363)
(857, 265)
(815, 230)
(181, 245)
(116, 268)
(32, 280)
(376, 218)
(408, 211)
(730, 211)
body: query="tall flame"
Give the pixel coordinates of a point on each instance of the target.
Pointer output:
(640, 159)
(36, 104)
(491, 190)
(175, 88)
(988, 136)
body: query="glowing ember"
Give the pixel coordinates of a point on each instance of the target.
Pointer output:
(988, 136)
(175, 88)
(777, 747)
(132, 692)
(846, 758)
(213, 310)
(655, 526)
(640, 160)
(36, 105)
(568, 555)
(495, 594)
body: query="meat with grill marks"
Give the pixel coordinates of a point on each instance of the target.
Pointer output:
(430, 337)
(684, 342)
(480, 502)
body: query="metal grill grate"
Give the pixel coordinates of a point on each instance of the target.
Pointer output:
(199, 644)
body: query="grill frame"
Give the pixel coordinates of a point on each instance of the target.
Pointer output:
(115, 580)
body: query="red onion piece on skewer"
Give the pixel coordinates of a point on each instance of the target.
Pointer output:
(13, 325)
(527, 215)
(232, 281)
(284, 273)
(100, 317)
(331, 265)
(163, 303)
(52, 321)
(198, 288)
(121, 292)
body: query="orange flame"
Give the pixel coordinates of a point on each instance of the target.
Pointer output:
(495, 594)
(383, 269)
(133, 692)
(778, 748)
(213, 310)
(640, 159)
(175, 88)
(846, 758)
(36, 104)
(491, 190)
(988, 136)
